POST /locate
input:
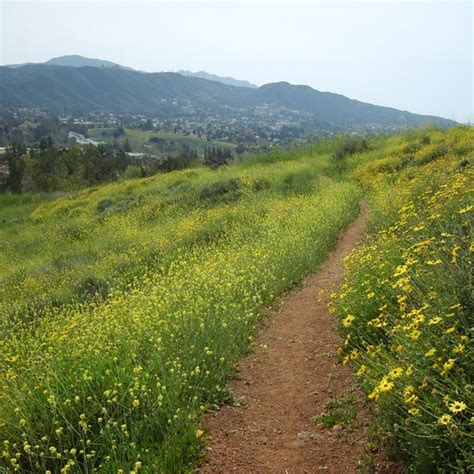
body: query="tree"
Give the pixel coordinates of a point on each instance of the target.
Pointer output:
(133, 171)
(15, 159)
(172, 163)
(118, 132)
(240, 149)
(148, 125)
(126, 146)
(215, 157)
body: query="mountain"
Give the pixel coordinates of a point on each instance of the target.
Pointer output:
(85, 89)
(75, 60)
(230, 81)
(80, 61)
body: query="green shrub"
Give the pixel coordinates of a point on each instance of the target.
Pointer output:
(298, 182)
(92, 287)
(412, 148)
(104, 204)
(228, 189)
(433, 154)
(132, 172)
(350, 146)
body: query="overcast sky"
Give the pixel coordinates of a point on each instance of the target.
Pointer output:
(412, 56)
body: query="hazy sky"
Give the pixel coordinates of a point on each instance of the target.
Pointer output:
(413, 56)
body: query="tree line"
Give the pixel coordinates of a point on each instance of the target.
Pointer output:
(47, 167)
(216, 156)
(50, 168)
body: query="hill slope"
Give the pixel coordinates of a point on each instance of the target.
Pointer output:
(112, 89)
(125, 307)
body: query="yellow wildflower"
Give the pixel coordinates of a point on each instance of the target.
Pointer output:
(385, 385)
(347, 321)
(445, 420)
(457, 407)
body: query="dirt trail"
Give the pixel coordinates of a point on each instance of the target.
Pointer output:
(287, 384)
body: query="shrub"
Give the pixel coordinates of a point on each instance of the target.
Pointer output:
(156, 140)
(298, 182)
(221, 190)
(133, 171)
(350, 146)
(433, 153)
(412, 148)
(92, 287)
(103, 205)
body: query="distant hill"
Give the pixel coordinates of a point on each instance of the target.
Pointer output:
(80, 61)
(116, 89)
(230, 81)
(75, 60)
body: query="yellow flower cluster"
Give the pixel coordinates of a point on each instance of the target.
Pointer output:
(406, 303)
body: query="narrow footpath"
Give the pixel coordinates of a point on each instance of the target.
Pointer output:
(287, 382)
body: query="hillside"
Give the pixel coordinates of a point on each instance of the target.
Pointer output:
(125, 307)
(110, 89)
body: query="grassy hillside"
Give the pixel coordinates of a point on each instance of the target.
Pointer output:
(123, 308)
(406, 309)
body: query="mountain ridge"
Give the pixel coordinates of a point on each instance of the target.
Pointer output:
(214, 77)
(73, 60)
(76, 60)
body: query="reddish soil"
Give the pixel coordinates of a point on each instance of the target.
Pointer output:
(285, 385)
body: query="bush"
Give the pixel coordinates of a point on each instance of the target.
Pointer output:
(132, 172)
(92, 287)
(433, 153)
(298, 182)
(350, 146)
(412, 148)
(225, 189)
(103, 205)
(156, 140)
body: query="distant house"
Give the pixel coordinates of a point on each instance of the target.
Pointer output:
(81, 139)
(141, 155)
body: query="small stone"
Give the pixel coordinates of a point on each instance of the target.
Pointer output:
(337, 428)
